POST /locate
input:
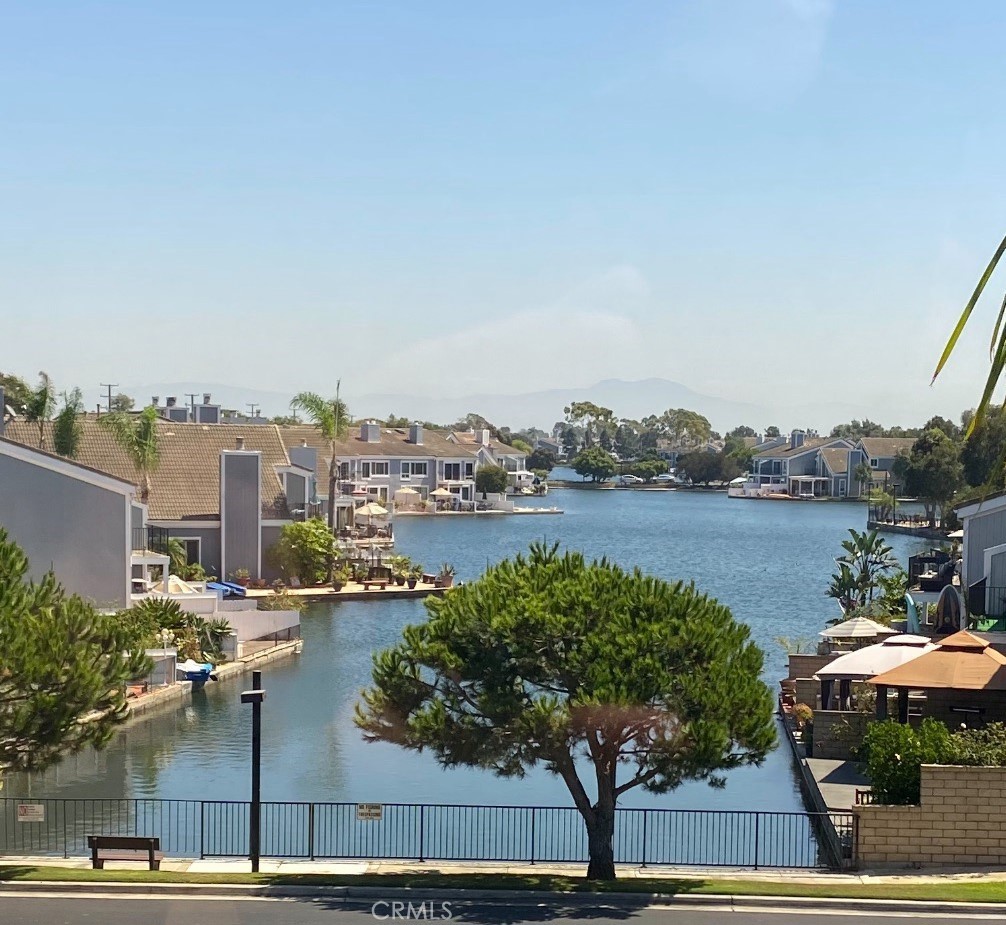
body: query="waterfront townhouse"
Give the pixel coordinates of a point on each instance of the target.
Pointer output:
(879, 453)
(491, 452)
(224, 491)
(377, 462)
(801, 469)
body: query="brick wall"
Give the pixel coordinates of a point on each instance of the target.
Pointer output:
(837, 732)
(941, 704)
(961, 820)
(808, 692)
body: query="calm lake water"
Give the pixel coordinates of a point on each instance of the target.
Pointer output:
(769, 561)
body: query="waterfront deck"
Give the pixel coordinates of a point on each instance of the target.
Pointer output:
(837, 781)
(352, 591)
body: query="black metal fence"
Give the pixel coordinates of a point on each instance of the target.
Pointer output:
(150, 539)
(413, 831)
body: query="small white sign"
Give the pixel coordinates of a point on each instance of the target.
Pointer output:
(369, 812)
(31, 812)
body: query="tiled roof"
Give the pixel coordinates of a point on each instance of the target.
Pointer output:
(186, 484)
(837, 459)
(887, 446)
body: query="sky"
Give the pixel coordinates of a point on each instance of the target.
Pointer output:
(775, 201)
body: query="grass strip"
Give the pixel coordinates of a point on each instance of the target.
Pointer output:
(946, 891)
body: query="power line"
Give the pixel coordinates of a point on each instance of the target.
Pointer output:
(253, 409)
(109, 386)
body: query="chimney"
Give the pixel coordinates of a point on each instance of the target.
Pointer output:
(303, 443)
(170, 401)
(796, 439)
(416, 434)
(155, 400)
(206, 398)
(484, 437)
(241, 443)
(370, 432)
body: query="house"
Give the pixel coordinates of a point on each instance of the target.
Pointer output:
(551, 445)
(379, 461)
(223, 490)
(879, 453)
(492, 452)
(798, 468)
(671, 452)
(983, 562)
(205, 413)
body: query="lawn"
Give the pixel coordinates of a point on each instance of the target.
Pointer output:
(948, 891)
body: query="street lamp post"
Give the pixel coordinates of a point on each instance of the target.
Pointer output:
(255, 698)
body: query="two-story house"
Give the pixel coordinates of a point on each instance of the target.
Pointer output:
(491, 452)
(801, 468)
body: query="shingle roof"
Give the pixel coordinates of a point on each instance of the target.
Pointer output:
(468, 438)
(887, 446)
(785, 450)
(186, 484)
(837, 459)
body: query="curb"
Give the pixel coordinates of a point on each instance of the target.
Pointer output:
(349, 894)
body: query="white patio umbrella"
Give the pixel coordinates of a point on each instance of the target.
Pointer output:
(406, 493)
(857, 628)
(441, 493)
(371, 509)
(872, 660)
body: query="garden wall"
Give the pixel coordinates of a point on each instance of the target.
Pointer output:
(961, 820)
(837, 732)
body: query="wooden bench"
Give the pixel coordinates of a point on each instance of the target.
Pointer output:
(124, 848)
(374, 582)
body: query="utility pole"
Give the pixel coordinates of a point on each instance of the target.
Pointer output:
(191, 396)
(109, 386)
(255, 698)
(253, 409)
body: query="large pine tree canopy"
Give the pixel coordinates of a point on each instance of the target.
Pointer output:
(548, 659)
(61, 661)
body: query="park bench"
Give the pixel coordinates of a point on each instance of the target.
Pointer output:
(369, 583)
(124, 848)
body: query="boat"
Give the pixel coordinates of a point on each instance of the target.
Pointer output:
(196, 672)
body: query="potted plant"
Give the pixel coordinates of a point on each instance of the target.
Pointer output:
(242, 576)
(400, 568)
(415, 573)
(445, 578)
(342, 574)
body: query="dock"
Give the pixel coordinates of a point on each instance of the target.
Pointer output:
(352, 591)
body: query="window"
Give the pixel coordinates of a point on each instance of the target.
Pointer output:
(371, 468)
(874, 463)
(469, 470)
(452, 472)
(417, 469)
(344, 470)
(193, 548)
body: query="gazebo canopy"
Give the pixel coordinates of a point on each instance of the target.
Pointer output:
(857, 628)
(865, 663)
(962, 662)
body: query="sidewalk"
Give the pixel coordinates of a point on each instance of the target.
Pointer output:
(350, 868)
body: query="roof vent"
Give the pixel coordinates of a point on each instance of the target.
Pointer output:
(171, 401)
(155, 400)
(241, 443)
(206, 398)
(303, 443)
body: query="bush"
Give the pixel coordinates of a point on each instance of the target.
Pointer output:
(980, 747)
(894, 754)
(304, 550)
(802, 714)
(281, 600)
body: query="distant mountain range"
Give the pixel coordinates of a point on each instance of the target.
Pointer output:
(540, 409)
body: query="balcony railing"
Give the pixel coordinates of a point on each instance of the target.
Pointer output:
(986, 607)
(150, 539)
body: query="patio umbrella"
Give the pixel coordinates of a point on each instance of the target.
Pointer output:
(857, 628)
(371, 509)
(441, 493)
(406, 493)
(873, 660)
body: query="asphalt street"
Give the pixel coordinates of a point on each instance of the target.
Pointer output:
(45, 909)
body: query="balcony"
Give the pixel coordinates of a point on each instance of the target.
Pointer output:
(931, 571)
(150, 539)
(987, 607)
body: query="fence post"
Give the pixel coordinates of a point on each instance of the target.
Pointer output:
(310, 830)
(66, 847)
(532, 833)
(646, 812)
(757, 827)
(422, 821)
(202, 829)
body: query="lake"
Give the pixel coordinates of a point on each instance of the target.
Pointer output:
(770, 561)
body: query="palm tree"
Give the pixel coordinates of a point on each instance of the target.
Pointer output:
(138, 436)
(867, 556)
(67, 429)
(864, 475)
(331, 418)
(41, 405)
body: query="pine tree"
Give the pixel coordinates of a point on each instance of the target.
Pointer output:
(61, 663)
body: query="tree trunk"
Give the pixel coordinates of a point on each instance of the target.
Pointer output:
(331, 517)
(600, 843)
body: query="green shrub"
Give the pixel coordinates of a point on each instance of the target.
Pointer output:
(282, 600)
(980, 747)
(304, 550)
(491, 479)
(894, 754)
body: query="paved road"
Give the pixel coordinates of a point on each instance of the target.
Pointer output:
(39, 909)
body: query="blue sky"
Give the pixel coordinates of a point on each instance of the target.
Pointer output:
(782, 201)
